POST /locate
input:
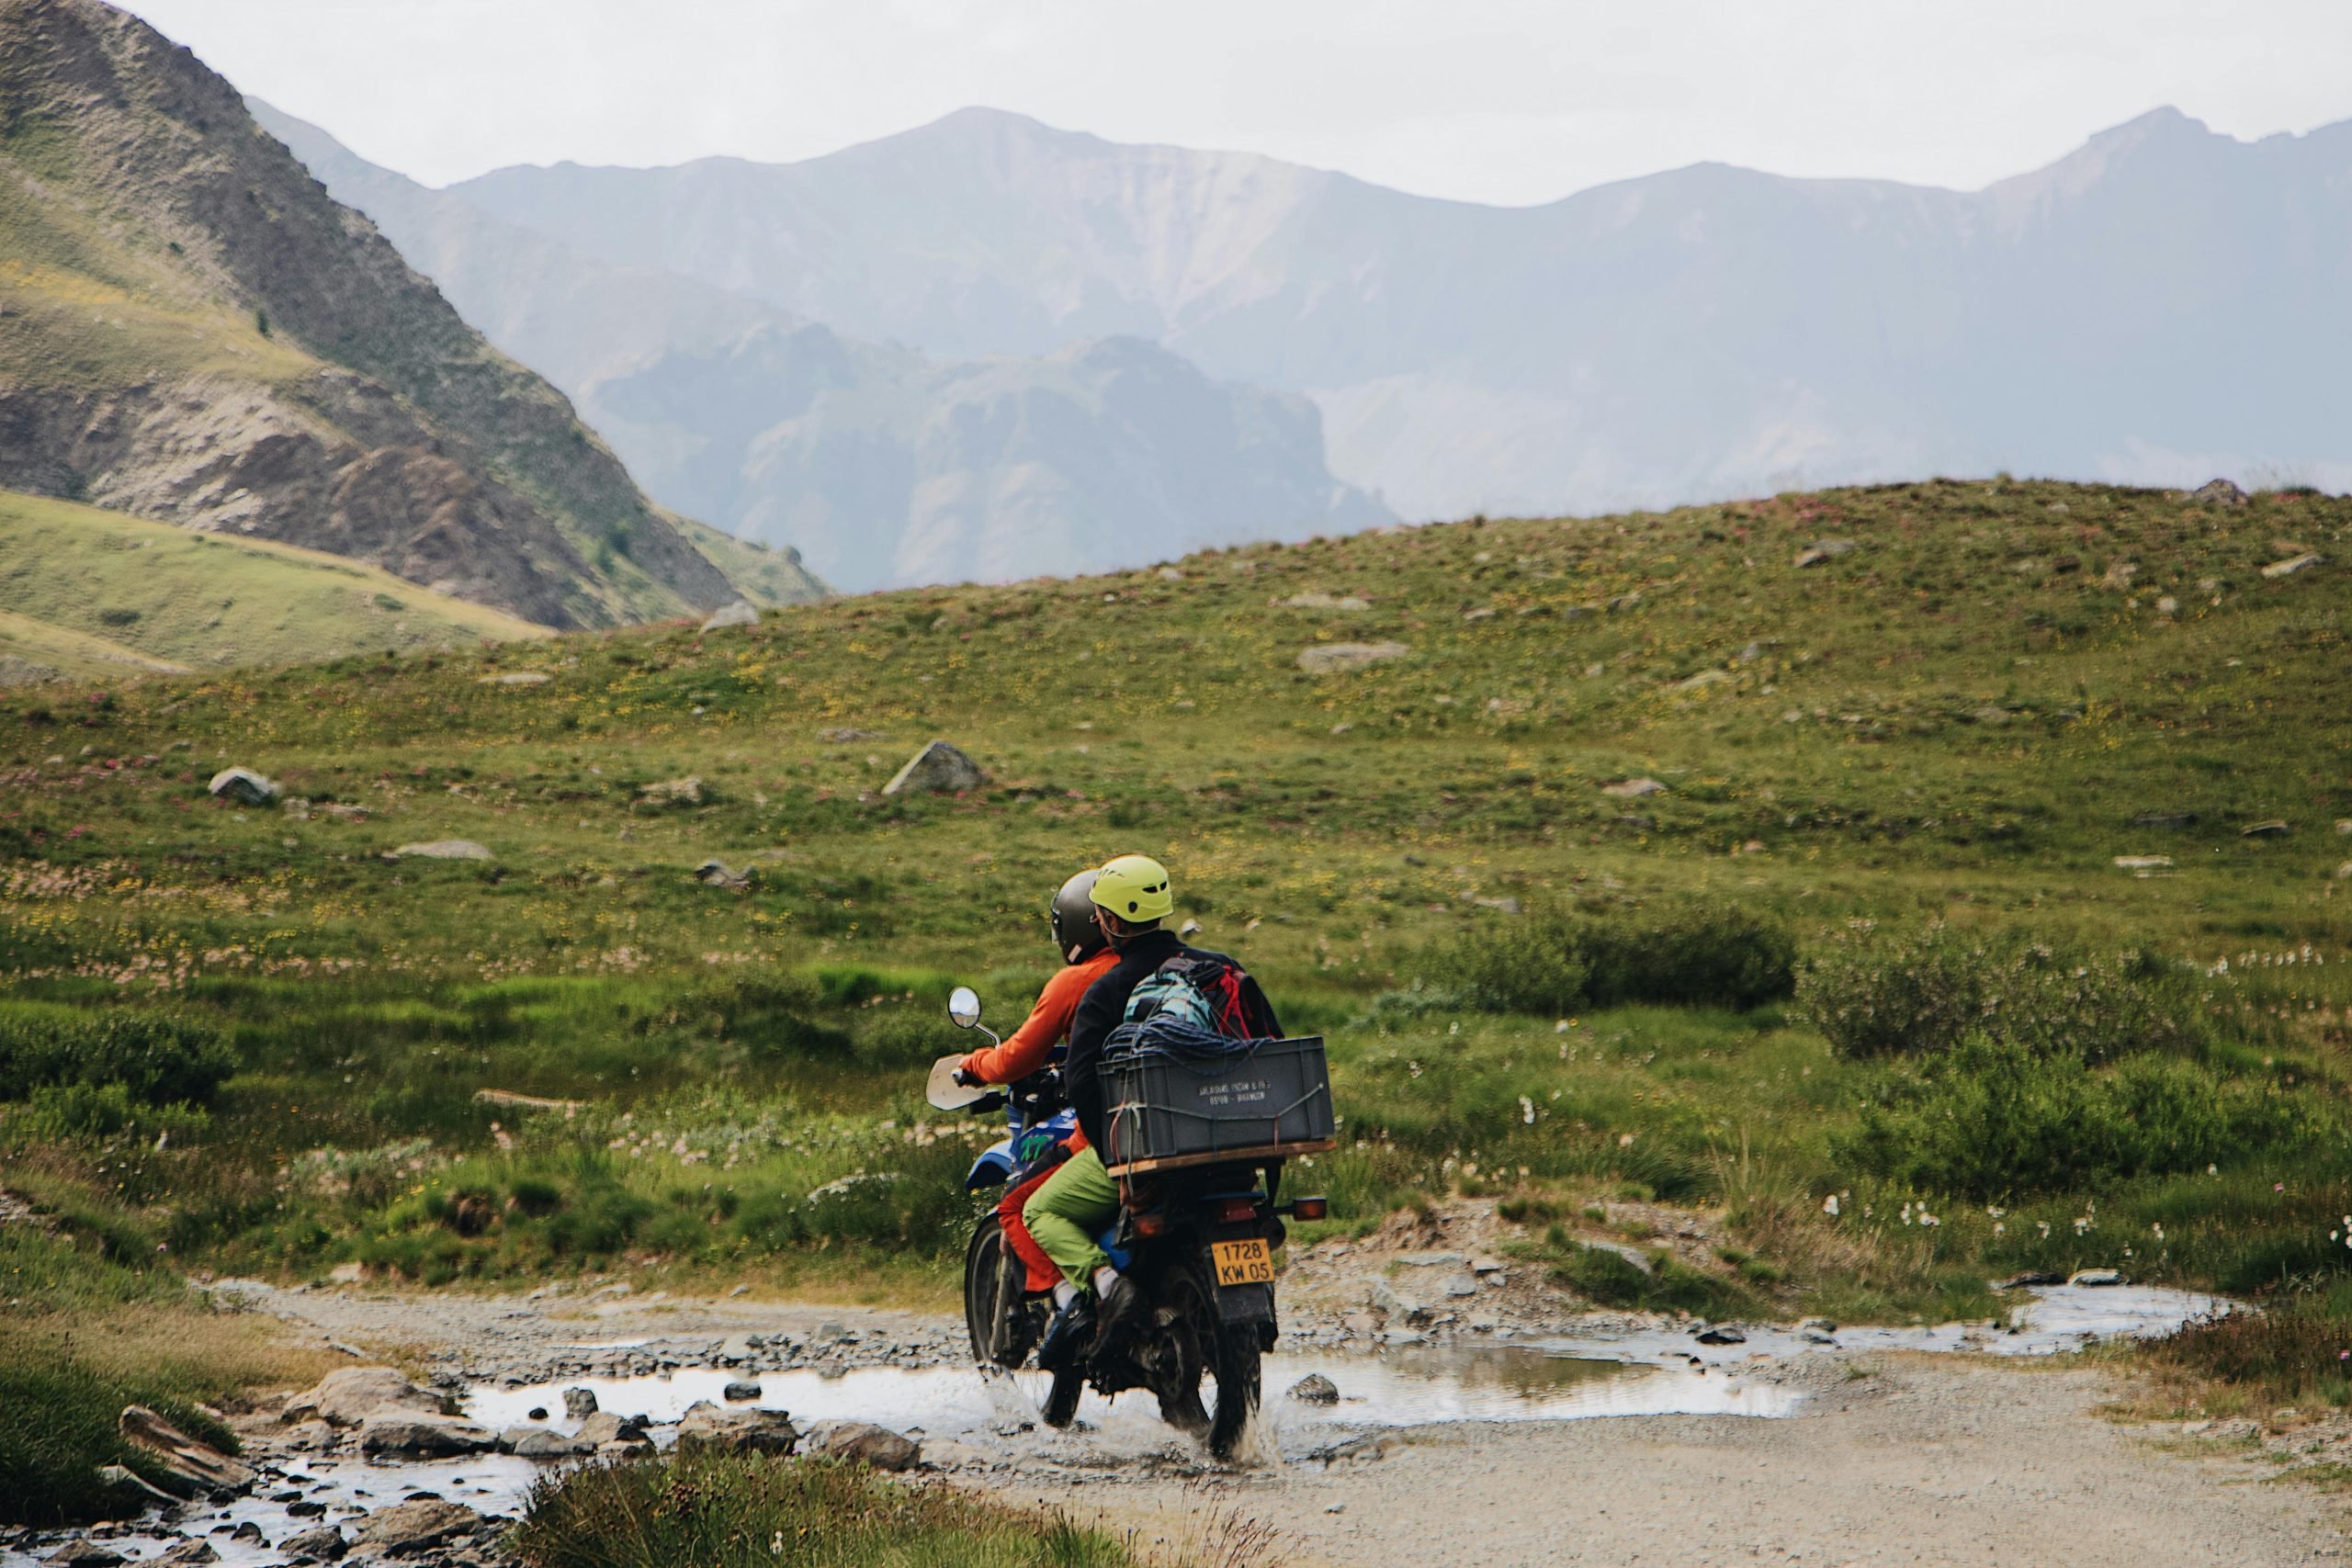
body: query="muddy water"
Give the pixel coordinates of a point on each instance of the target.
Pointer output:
(972, 1419)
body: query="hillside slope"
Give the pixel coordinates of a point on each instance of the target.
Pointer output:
(883, 467)
(1971, 701)
(2157, 307)
(195, 333)
(86, 585)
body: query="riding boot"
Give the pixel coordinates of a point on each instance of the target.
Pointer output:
(1119, 1303)
(1067, 1335)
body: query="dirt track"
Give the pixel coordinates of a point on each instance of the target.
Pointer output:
(1947, 1463)
(1927, 1458)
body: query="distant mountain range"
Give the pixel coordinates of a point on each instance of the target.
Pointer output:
(192, 332)
(879, 465)
(2164, 304)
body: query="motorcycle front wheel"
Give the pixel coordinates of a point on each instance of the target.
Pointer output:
(996, 1314)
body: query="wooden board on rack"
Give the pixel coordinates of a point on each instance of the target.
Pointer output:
(1227, 1157)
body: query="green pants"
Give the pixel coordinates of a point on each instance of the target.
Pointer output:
(1070, 1210)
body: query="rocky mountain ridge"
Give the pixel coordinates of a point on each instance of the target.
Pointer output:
(884, 466)
(192, 331)
(2154, 308)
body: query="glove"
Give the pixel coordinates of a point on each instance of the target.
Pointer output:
(970, 1079)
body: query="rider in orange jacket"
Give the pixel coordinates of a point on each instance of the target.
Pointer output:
(1029, 1049)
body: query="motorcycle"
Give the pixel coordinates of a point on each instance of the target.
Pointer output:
(1198, 1241)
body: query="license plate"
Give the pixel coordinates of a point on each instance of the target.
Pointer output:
(1243, 1262)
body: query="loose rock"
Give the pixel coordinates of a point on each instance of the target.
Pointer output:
(2218, 493)
(938, 769)
(242, 786)
(324, 1544)
(2290, 566)
(516, 678)
(1721, 1334)
(538, 1442)
(1331, 658)
(1822, 550)
(2274, 828)
(1314, 1389)
(686, 791)
(85, 1553)
(190, 1465)
(602, 1427)
(406, 1528)
(2095, 1277)
(350, 1395)
(705, 1428)
(738, 614)
(580, 1403)
(442, 849)
(737, 1392)
(423, 1436)
(188, 1553)
(866, 1443)
(1633, 789)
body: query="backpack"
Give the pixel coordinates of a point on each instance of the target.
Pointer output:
(1203, 991)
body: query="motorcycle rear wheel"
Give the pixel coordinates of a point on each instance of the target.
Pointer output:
(1205, 1345)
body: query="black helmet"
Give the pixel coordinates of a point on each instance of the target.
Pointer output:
(1075, 932)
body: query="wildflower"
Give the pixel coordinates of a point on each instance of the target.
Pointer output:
(1830, 1205)
(1928, 1219)
(1999, 1229)
(775, 1544)
(1526, 1111)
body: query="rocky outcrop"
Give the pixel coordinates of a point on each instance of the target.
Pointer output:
(285, 373)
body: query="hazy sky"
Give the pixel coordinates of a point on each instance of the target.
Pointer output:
(1489, 100)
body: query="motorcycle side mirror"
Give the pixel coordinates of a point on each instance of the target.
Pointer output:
(964, 1007)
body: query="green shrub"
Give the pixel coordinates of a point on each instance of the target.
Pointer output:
(2287, 1351)
(158, 1058)
(1876, 993)
(1610, 1279)
(1993, 1117)
(1678, 955)
(752, 1511)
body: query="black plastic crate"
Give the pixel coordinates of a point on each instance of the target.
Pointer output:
(1164, 1107)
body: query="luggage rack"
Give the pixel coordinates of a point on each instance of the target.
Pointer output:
(1250, 1155)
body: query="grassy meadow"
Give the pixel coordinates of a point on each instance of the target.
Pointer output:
(80, 586)
(1857, 964)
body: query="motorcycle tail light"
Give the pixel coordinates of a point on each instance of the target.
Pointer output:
(1237, 1211)
(1310, 1208)
(1150, 1226)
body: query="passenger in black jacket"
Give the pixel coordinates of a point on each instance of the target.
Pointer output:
(1078, 1201)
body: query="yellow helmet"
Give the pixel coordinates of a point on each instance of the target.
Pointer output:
(1135, 888)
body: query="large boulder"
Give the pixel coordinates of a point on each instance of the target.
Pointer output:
(709, 1428)
(738, 614)
(2218, 493)
(420, 1526)
(1331, 658)
(409, 1436)
(580, 1403)
(937, 768)
(866, 1443)
(241, 786)
(350, 1395)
